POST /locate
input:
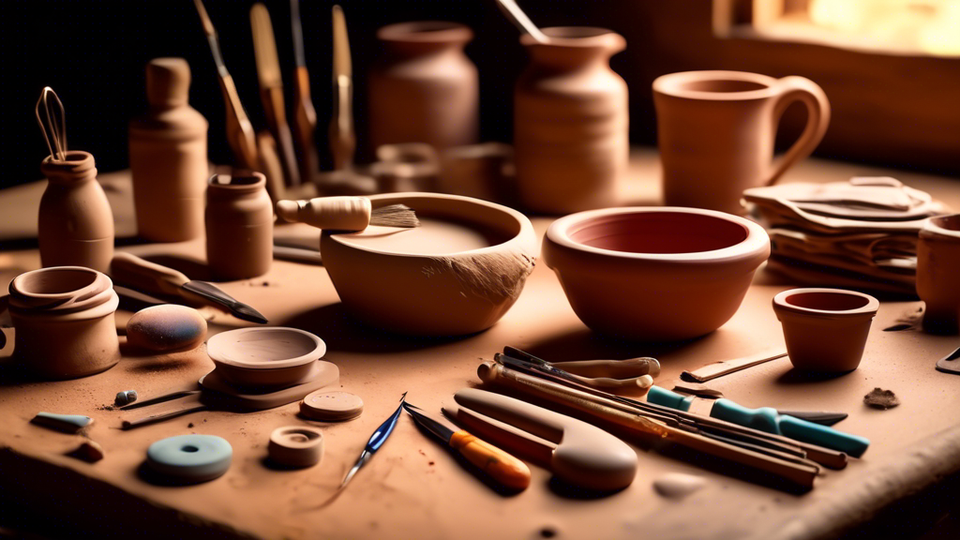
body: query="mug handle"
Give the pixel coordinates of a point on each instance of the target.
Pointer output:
(793, 89)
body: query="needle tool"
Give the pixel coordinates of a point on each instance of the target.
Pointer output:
(376, 441)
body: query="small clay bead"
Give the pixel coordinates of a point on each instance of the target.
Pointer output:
(125, 398)
(166, 328)
(190, 458)
(296, 446)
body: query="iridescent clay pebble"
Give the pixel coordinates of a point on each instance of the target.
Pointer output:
(125, 398)
(190, 458)
(166, 328)
(296, 446)
(67, 423)
(331, 406)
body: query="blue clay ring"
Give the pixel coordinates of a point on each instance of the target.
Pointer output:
(193, 458)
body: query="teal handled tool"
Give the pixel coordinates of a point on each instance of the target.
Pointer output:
(767, 419)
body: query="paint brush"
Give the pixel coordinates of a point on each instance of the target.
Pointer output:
(271, 89)
(346, 213)
(240, 133)
(343, 142)
(305, 117)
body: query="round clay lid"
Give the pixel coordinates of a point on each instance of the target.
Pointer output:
(331, 406)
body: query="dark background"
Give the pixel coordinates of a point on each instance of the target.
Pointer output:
(93, 54)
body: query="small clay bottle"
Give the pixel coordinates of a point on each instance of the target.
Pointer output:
(75, 226)
(168, 157)
(239, 222)
(423, 88)
(570, 122)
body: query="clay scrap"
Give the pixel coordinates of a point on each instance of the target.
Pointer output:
(67, 423)
(89, 451)
(678, 485)
(881, 399)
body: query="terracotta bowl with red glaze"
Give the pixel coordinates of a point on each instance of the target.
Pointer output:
(655, 273)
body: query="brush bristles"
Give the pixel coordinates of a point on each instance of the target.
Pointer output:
(394, 215)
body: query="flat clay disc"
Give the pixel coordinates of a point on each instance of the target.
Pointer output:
(190, 458)
(331, 406)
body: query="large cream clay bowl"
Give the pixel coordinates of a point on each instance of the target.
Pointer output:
(655, 273)
(456, 274)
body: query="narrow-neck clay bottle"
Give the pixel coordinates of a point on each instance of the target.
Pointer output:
(168, 157)
(75, 225)
(423, 88)
(239, 223)
(570, 122)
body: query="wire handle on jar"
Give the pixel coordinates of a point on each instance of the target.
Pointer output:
(55, 129)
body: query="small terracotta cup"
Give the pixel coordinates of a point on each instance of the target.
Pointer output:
(64, 321)
(938, 274)
(825, 329)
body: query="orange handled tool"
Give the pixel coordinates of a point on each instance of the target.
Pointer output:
(502, 467)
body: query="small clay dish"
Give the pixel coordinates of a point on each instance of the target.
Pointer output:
(456, 274)
(825, 329)
(655, 273)
(269, 356)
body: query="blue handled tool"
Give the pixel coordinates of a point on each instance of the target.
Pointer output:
(767, 419)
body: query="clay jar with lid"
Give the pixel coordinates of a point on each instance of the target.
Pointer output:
(239, 222)
(570, 122)
(75, 225)
(825, 329)
(168, 157)
(938, 274)
(64, 321)
(423, 88)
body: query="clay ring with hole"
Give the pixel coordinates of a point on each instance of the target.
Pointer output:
(825, 329)
(190, 458)
(296, 446)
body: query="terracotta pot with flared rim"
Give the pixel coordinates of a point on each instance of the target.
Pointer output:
(457, 274)
(938, 274)
(570, 122)
(655, 273)
(265, 356)
(239, 225)
(423, 88)
(825, 329)
(64, 321)
(716, 132)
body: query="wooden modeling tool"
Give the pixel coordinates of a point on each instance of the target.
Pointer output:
(343, 141)
(151, 278)
(521, 21)
(500, 466)
(239, 131)
(631, 376)
(374, 443)
(579, 453)
(304, 117)
(270, 166)
(346, 213)
(726, 367)
(271, 89)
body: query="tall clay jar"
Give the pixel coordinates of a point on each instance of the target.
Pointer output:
(570, 122)
(239, 222)
(938, 274)
(75, 226)
(168, 157)
(64, 321)
(423, 88)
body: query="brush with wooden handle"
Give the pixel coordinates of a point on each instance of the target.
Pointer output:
(346, 213)
(343, 141)
(271, 89)
(305, 116)
(239, 130)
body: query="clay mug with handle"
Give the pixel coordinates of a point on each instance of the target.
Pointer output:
(716, 133)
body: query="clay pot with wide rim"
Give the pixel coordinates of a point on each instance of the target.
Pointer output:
(655, 273)
(457, 274)
(423, 88)
(570, 122)
(825, 329)
(938, 274)
(265, 356)
(64, 321)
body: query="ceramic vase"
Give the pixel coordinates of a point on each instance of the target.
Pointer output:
(570, 122)
(76, 224)
(825, 330)
(168, 157)
(938, 274)
(716, 133)
(239, 224)
(64, 321)
(423, 87)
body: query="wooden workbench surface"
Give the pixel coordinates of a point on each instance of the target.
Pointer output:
(413, 487)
